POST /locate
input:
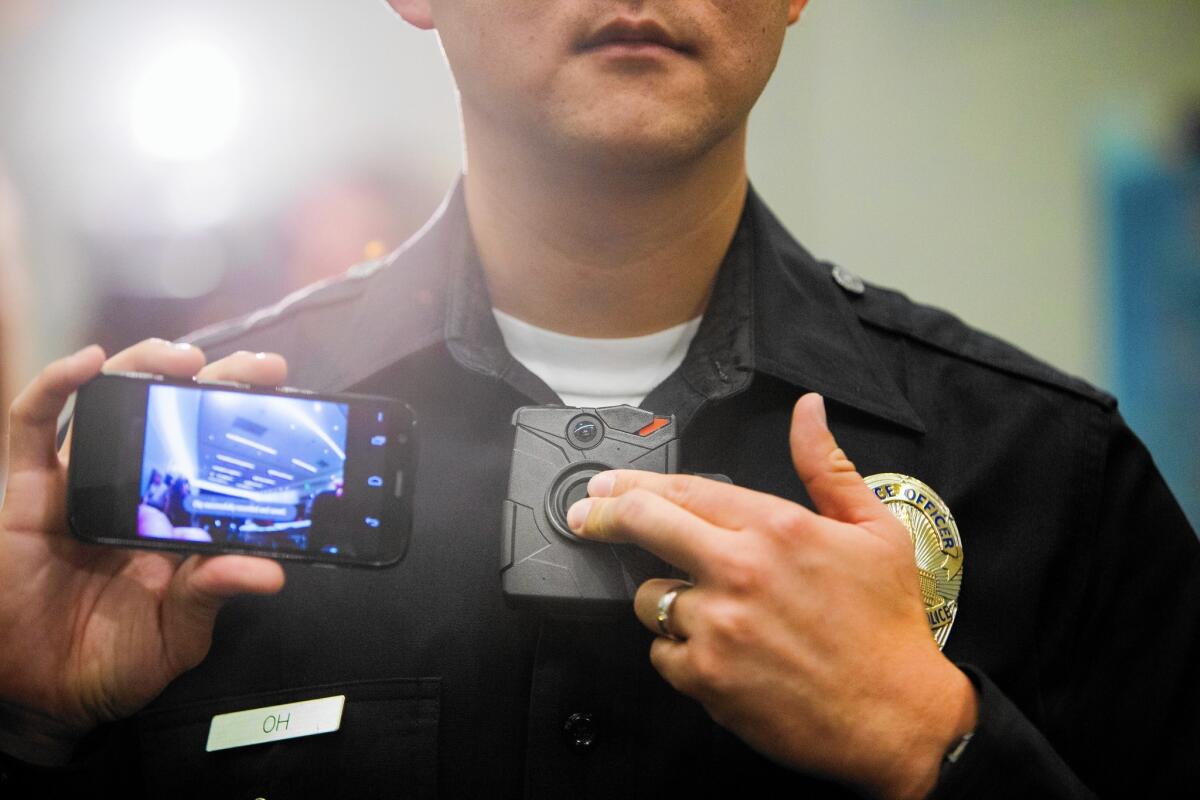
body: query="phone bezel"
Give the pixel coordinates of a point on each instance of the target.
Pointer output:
(93, 428)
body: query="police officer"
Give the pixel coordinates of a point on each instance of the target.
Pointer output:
(606, 199)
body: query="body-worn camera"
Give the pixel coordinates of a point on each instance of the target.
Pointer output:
(555, 453)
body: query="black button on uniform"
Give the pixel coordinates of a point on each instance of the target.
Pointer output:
(580, 730)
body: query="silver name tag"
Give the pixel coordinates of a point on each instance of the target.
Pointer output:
(274, 723)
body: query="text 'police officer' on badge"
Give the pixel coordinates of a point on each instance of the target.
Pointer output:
(936, 545)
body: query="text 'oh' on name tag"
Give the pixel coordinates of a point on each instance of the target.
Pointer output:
(274, 723)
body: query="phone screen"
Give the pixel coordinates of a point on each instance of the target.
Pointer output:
(239, 470)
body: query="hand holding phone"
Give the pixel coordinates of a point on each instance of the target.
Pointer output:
(89, 634)
(219, 467)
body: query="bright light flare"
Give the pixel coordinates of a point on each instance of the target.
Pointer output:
(187, 102)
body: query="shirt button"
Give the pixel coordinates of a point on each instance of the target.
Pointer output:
(848, 280)
(580, 730)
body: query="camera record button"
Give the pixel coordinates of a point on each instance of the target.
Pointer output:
(568, 487)
(627, 419)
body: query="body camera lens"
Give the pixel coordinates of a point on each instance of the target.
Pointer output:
(585, 431)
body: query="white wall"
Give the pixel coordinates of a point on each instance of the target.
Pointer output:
(946, 148)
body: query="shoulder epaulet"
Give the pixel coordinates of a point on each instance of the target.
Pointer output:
(893, 311)
(339, 331)
(329, 292)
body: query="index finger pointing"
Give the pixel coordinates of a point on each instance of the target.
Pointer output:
(653, 523)
(723, 504)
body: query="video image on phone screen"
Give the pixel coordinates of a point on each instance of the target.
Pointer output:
(234, 468)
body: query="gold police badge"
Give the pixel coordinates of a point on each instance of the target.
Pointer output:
(936, 544)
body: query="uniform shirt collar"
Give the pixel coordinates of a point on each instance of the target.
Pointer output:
(807, 330)
(775, 310)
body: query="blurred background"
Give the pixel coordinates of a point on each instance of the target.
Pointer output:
(1032, 165)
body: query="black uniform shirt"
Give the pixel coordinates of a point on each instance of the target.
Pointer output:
(1079, 609)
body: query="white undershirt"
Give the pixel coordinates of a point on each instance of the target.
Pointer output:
(592, 373)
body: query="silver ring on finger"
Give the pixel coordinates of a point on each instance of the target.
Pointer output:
(666, 604)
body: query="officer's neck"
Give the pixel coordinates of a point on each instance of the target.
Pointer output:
(602, 252)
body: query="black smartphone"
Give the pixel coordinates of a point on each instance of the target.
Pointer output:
(214, 467)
